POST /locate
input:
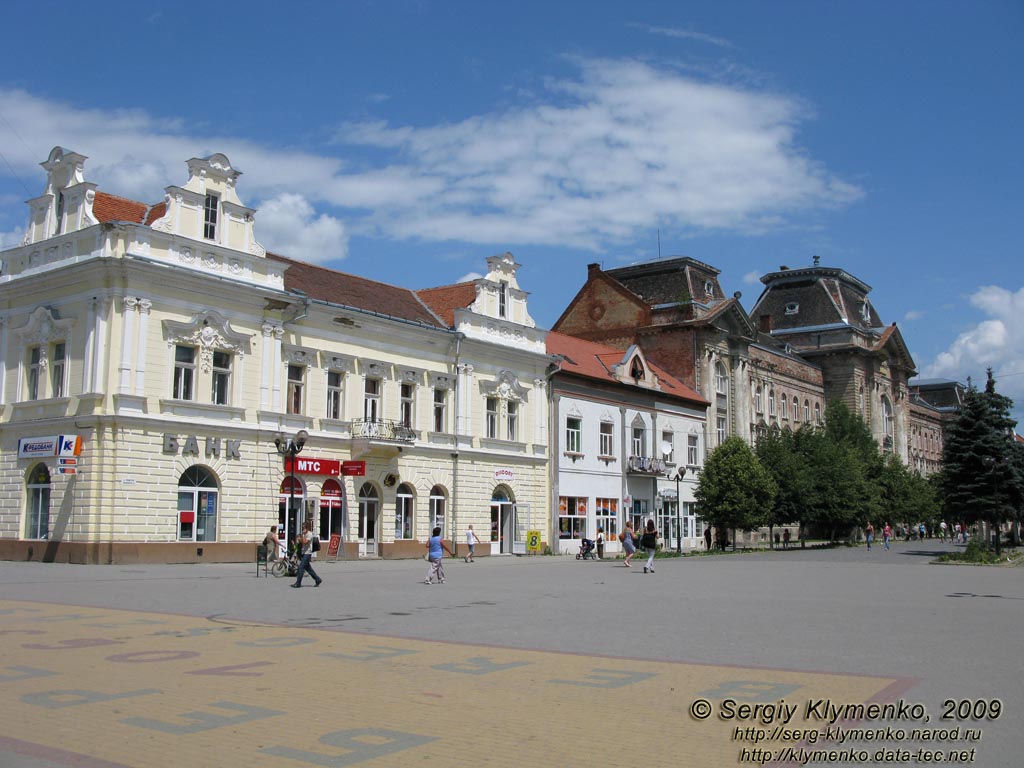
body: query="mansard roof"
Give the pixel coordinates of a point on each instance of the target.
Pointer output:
(815, 297)
(597, 361)
(336, 287)
(671, 281)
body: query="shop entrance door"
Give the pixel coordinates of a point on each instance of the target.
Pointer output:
(369, 521)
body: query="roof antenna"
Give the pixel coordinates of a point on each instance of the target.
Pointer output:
(659, 243)
(817, 260)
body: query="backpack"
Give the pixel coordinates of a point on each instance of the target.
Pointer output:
(316, 543)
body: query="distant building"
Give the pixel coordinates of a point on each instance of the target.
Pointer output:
(627, 442)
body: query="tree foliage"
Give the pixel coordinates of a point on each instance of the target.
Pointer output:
(981, 481)
(734, 490)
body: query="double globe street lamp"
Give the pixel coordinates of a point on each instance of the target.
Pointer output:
(291, 447)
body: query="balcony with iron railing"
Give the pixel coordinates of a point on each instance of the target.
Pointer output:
(385, 430)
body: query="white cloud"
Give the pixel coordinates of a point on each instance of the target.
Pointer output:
(912, 315)
(590, 162)
(753, 277)
(619, 150)
(468, 277)
(997, 342)
(685, 34)
(288, 224)
(13, 237)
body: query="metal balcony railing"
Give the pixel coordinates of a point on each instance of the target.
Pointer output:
(383, 429)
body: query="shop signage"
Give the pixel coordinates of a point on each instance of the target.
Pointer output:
(504, 475)
(306, 466)
(57, 445)
(357, 468)
(232, 448)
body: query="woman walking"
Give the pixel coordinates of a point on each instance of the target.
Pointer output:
(626, 537)
(435, 552)
(649, 541)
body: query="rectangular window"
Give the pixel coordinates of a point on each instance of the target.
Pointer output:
(608, 517)
(785, 407)
(296, 381)
(333, 395)
(512, 420)
(440, 419)
(720, 429)
(572, 517)
(371, 400)
(492, 417)
(639, 442)
(34, 369)
(757, 400)
(58, 370)
(210, 217)
(771, 403)
(405, 404)
(184, 372)
(607, 438)
(668, 442)
(573, 435)
(692, 448)
(221, 378)
(503, 299)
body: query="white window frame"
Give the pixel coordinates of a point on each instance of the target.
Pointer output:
(438, 508)
(406, 404)
(335, 391)
(220, 378)
(491, 409)
(440, 410)
(59, 369)
(574, 434)
(372, 400)
(183, 386)
(404, 505)
(692, 450)
(211, 214)
(296, 402)
(639, 441)
(34, 365)
(512, 419)
(607, 439)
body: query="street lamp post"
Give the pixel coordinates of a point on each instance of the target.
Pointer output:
(680, 473)
(290, 448)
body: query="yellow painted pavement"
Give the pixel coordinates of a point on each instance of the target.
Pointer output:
(148, 689)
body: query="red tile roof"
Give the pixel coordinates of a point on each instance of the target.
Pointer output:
(596, 361)
(447, 298)
(357, 292)
(113, 208)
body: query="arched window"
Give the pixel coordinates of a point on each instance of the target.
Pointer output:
(771, 402)
(292, 495)
(807, 410)
(721, 379)
(817, 413)
(636, 369)
(38, 517)
(369, 508)
(887, 424)
(796, 409)
(197, 505)
(403, 511)
(438, 508)
(785, 406)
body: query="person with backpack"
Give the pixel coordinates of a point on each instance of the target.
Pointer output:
(305, 543)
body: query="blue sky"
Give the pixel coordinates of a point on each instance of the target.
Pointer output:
(407, 141)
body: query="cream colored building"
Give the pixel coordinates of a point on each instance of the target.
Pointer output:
(173, 362)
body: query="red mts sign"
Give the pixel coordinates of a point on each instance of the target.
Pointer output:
(313, 466)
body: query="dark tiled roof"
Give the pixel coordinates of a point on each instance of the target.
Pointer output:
(357, 292)
(447, 298)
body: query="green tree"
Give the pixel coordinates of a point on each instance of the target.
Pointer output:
(734, 490)
(840, 496)
(777, 453)
(980, 480)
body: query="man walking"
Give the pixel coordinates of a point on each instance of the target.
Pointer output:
(471, 541)
(305, 544)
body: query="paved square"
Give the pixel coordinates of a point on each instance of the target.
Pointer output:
(513, 662)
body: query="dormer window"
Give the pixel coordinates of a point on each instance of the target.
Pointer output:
(865, 311)
(709, 288)
(636, 369)
(503, 299)
(792, 308)
(210, 208)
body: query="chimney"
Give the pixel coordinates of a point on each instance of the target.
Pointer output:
(764, 323)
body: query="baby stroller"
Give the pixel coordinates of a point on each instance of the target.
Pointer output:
(588, 550)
